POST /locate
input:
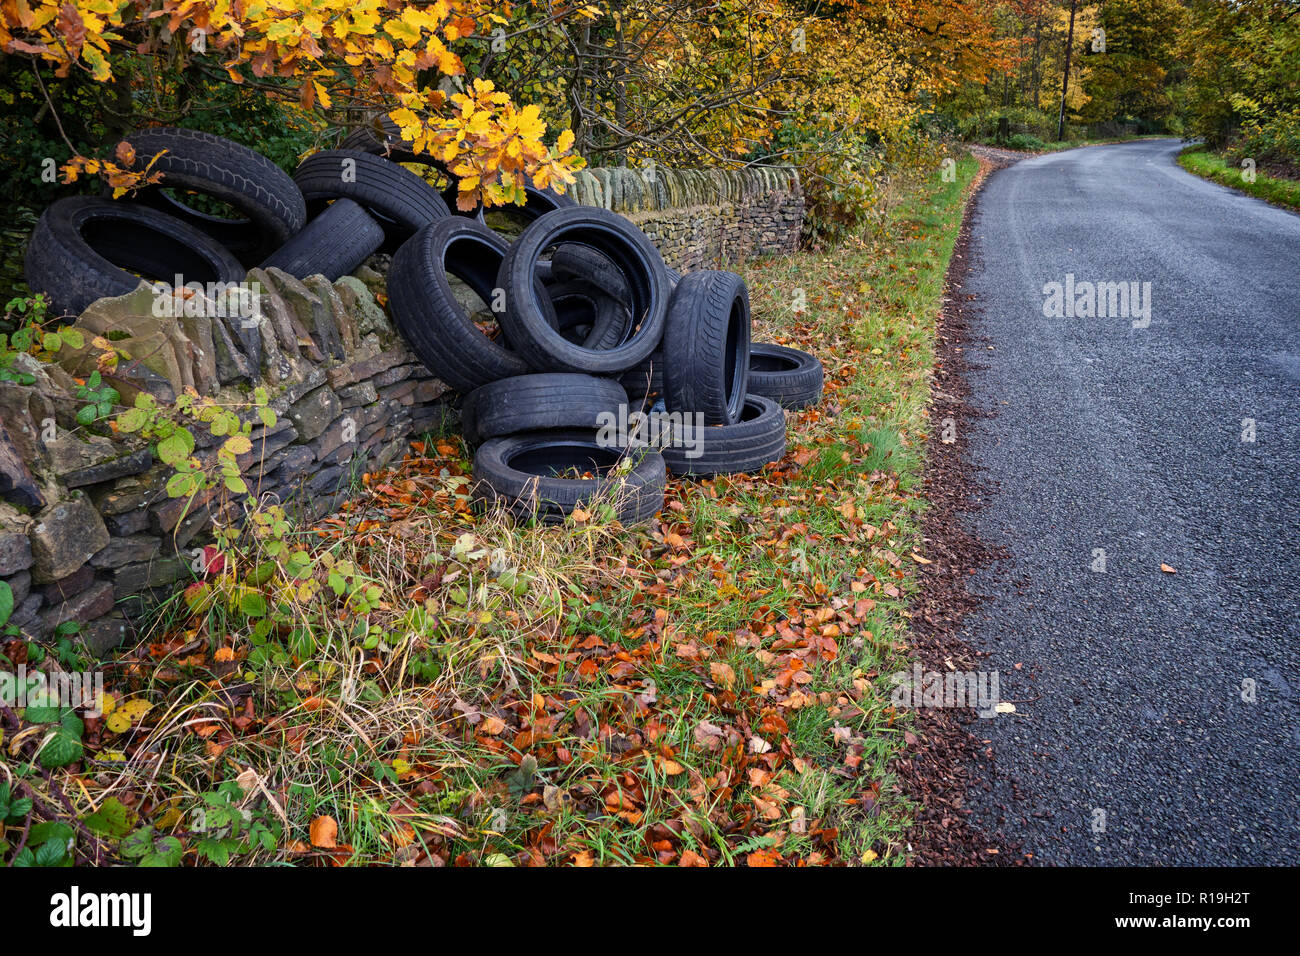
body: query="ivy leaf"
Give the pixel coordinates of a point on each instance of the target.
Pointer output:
(53, 853)
(214, 850)
(61, 749)
(6, 602)
(176, 447)
(252, 604)
(18, 809)
(43, 713)
(132, 420)
(181, 486)
(112, 820)
(152, 850)
(238, 445)
(167, 852)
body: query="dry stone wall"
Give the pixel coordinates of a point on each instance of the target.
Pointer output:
(88, 532)
(707, 218)
(94, 537)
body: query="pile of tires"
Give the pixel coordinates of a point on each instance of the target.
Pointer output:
(592, 371)
(337, 209)
(588, 370)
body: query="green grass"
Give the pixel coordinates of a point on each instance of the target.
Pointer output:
(1210, 165)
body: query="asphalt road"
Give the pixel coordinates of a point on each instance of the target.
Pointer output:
(1131, 694)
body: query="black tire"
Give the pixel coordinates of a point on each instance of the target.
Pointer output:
(586, 316)
(524, 319)
(225, 170)
(424, 308)
(86, 248)
(644, 382)
(333, 244)
(788, 376)
(706, 346)
(748, 445)
(399, 200)
(545, 400)
(518, 471)
(582, 263)
(571, 261)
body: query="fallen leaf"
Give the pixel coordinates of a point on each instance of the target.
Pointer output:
(722, 673)
(709, 736)
(325, 833)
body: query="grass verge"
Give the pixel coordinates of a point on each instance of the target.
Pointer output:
(413, 683)
(1209, 165)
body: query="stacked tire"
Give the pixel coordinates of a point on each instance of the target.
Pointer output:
(590, 370)
(337, 209)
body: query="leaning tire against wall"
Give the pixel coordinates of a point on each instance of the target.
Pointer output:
(433, 322)
(519, 472)
(224, 170)
(788, 376)
(85, 248)
(706, 346)
(524, 319)
(748, 445)
(399, 200)
(333, 244)
(545, 400)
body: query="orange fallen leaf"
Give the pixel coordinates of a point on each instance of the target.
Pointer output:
(722, 673)
(1167, 569)
(325, 832)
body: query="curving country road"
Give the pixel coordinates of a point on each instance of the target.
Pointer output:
(1169, 702)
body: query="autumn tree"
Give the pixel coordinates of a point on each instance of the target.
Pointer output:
(1242, 62)
(339, 59)
(1130, 75)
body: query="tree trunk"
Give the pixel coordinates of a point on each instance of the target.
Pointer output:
(1065, 80)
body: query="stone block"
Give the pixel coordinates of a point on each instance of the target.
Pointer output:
(313, 413)
(65, 536)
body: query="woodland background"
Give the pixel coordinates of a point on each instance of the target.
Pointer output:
(850, 92)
